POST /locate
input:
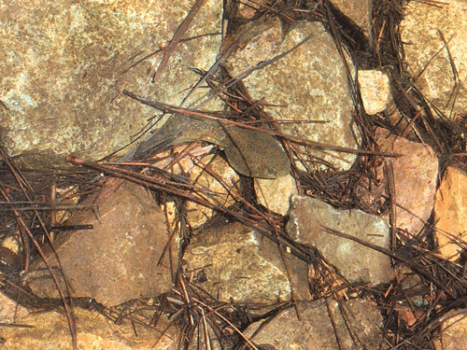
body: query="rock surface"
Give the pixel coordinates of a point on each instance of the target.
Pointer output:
(63, 71)
(118, 259)
(427, 54)
(275, 194)
(244, 267)
(375, 90)
(359, 11)
(453, 331)
(415, 179)
(451, 213)
(355, 262)
(355, 323)
(309, 84)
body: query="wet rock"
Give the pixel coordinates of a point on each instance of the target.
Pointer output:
(275, 194)
(242, 266)
(428, 55)
(354, 261)
(451, 213)
(118, 259)
(308, 84)
(415, 178)
(322, 324)
(63, 70)
(375, 90)
(50, 332)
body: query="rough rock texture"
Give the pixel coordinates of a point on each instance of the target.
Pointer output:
(359, 11)
(355, 262)
(320, 321)
(275, 194)
(309, 83)
(453, 331)
(375, 90)
(244, 267)
(415, 178)
(117, 260)
(50, 332)
(428, 57)
(63, 66)
(451, 213)
(10, 311)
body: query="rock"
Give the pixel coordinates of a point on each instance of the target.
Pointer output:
(242, 266)
(375, 90)
(309, 84)
(354, 261)
(415, 178)
(63, 69)
(117, 260)
(321, 324)
(10, 310)
(453, 330)
(428, 56)
(50, 332)
(359, 11)
(275, 194)
(451, 213)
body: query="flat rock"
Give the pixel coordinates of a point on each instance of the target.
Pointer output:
(63, 70)
(322, 323)
(242, 266)
(451, 213)
(275, 194)
(354, 261)
(427, 55)
(117, 260)
(415, 179)
(309, 84)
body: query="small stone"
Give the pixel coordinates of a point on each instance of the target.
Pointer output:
(242, 266)
(354, 261)
(275, 194)
(375, 90)
(415, 179)
(117, 260)
(451, 213)
(321, 324)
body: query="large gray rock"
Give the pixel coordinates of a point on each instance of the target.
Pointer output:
(309, 84)
(62, 66)
(355, 262)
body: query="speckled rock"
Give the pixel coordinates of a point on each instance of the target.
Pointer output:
(64, 65)
(428, 57)
(359, 11)
(354, 261)
(375, 90)
(453, 330)
(451, 213)
(242, 266)
(308, 84)
(275, 194)
(322, 324)
(10, 311)
(117, 260)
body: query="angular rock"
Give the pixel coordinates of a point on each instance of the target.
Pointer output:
(117, 260)
(242, 266)
(51, 332)
(64, 67)
(359, 11)
(415, 178)
(308, 84)
(375, 90)
(427, 55)
(275, 194)
(322, 323)
(10, 310)
(355, 262)
(454, 331)
(451, 213)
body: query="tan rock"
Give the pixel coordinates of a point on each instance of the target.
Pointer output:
(359, 11)
(415, 178)
(275, 194)
(454, 331)
(451, 213)
(427, 55)
(10, 310)
(375, 90)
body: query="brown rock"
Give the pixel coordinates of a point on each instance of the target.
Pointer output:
(454, 331)
(244, 267)
(359, 11)
(415, 178)
(275, 194)
(321, 324)
(117, 260)
(355, 262)
(451, 213)
(63, 71)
